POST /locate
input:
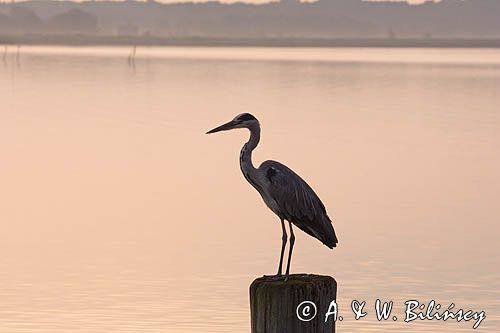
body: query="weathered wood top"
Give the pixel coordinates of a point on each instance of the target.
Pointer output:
(293, 279)
(274, 303)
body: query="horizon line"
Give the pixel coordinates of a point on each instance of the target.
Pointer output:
(256, 2)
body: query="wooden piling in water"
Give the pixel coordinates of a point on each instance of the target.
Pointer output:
(274, 303)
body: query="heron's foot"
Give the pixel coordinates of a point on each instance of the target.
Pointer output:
(276, 277)
(287, 275)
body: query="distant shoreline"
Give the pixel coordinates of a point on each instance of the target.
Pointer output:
(87, 40)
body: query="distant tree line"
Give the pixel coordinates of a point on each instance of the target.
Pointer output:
(289, 18)
(21, 19)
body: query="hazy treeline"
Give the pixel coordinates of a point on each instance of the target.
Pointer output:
(322, 19)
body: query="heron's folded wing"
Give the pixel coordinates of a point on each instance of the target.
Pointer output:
(293, 195)
(298, 202)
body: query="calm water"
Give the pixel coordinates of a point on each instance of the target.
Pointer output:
(119, 215)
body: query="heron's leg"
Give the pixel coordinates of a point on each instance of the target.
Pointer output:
(284, 238)
(292, 241)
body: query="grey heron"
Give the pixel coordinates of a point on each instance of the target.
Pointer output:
(283, 191)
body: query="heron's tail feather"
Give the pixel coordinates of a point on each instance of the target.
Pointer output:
(320, 228)
(330, 238)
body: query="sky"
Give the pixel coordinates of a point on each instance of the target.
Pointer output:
(264, 1)
(260, 1)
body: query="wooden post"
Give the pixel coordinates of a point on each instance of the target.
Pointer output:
(274, 302)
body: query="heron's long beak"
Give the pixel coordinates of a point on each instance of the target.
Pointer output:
(225, 127)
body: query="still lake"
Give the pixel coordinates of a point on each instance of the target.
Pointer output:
(118, 214)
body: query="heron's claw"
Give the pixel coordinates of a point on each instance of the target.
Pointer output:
(276, 277)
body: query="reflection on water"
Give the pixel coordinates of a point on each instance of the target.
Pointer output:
(120, 215)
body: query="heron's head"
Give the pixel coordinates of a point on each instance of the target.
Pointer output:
(244, 120)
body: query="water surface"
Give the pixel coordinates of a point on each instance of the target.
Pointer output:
(119, 215)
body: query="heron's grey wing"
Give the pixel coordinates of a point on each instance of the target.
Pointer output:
(298, 203)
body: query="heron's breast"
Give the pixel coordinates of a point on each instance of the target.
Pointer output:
(270, 202)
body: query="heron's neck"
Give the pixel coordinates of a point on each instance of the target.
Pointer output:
(246, 153)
